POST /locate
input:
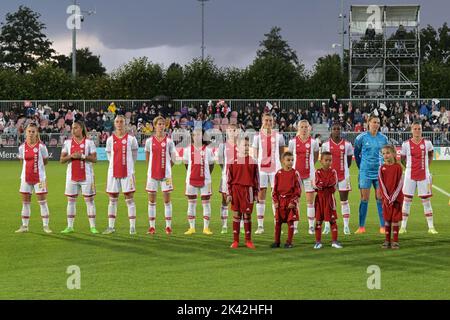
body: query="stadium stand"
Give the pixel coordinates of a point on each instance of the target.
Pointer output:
(55, 118)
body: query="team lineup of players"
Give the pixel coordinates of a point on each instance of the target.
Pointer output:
(248, 166)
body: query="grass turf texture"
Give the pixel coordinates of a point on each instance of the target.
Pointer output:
(120, 266)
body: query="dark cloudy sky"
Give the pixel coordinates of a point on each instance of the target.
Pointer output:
(170, 30)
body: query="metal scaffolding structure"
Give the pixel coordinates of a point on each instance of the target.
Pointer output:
(384, 49)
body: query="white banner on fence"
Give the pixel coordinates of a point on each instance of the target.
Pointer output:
(441, 153)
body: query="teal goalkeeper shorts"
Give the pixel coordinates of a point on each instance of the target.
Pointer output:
(366, 183)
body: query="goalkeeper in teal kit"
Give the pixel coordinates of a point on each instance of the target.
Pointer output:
(368, 158)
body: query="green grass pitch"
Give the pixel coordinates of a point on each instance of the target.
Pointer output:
(33, 265)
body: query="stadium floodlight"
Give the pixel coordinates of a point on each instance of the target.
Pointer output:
(203, 27)
(342, 33)
(81, 18)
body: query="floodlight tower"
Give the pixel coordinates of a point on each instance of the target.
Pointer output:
(202, 2)
(77, 15)
(342, 33)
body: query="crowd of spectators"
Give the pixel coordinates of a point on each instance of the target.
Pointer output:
(54, 123)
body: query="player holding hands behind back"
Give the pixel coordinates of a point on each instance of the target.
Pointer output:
(199, 162)
(33, 156)
(121, 150)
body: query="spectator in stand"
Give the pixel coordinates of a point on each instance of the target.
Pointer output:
(445, 137)
(284, 113)
(91, 115)
(108, 125)
(348, 126)
(350, 112)
(443, 117)
(332, 116)
(241, 116)
(112, 108)
(333, 103)
(207, 125)
(99, 123)
(40, 111)
(69, 118)
(427, 127)
(173, 122)
(66, 131)
(257, 108)
(140, 126)
(161, 110)
(401, 126)
(323, 113)
(192, 111)
(3, 120)
(11, 115)
(47, 110)
(52, 116)
(256, 122)
(30, 111)
(62, 110)
(424, 111)
(170, 111)
(103, 137)
(133, 118)
(11, 129)
(184, 111)
(148, 128)
(77, 115)
(357, 117)
(314, 111)
(152, 113)
(341, 114)
(305, 115)
(291, 120)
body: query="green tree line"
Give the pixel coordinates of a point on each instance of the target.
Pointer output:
(31, 69)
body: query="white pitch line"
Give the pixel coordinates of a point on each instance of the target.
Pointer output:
(441, 191)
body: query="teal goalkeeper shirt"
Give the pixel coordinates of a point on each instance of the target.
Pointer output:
(368, 155)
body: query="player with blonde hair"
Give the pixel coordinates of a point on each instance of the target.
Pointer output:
(416, 156)
(268, 146)
(306, 153)
(33, 156)
(160, 154)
